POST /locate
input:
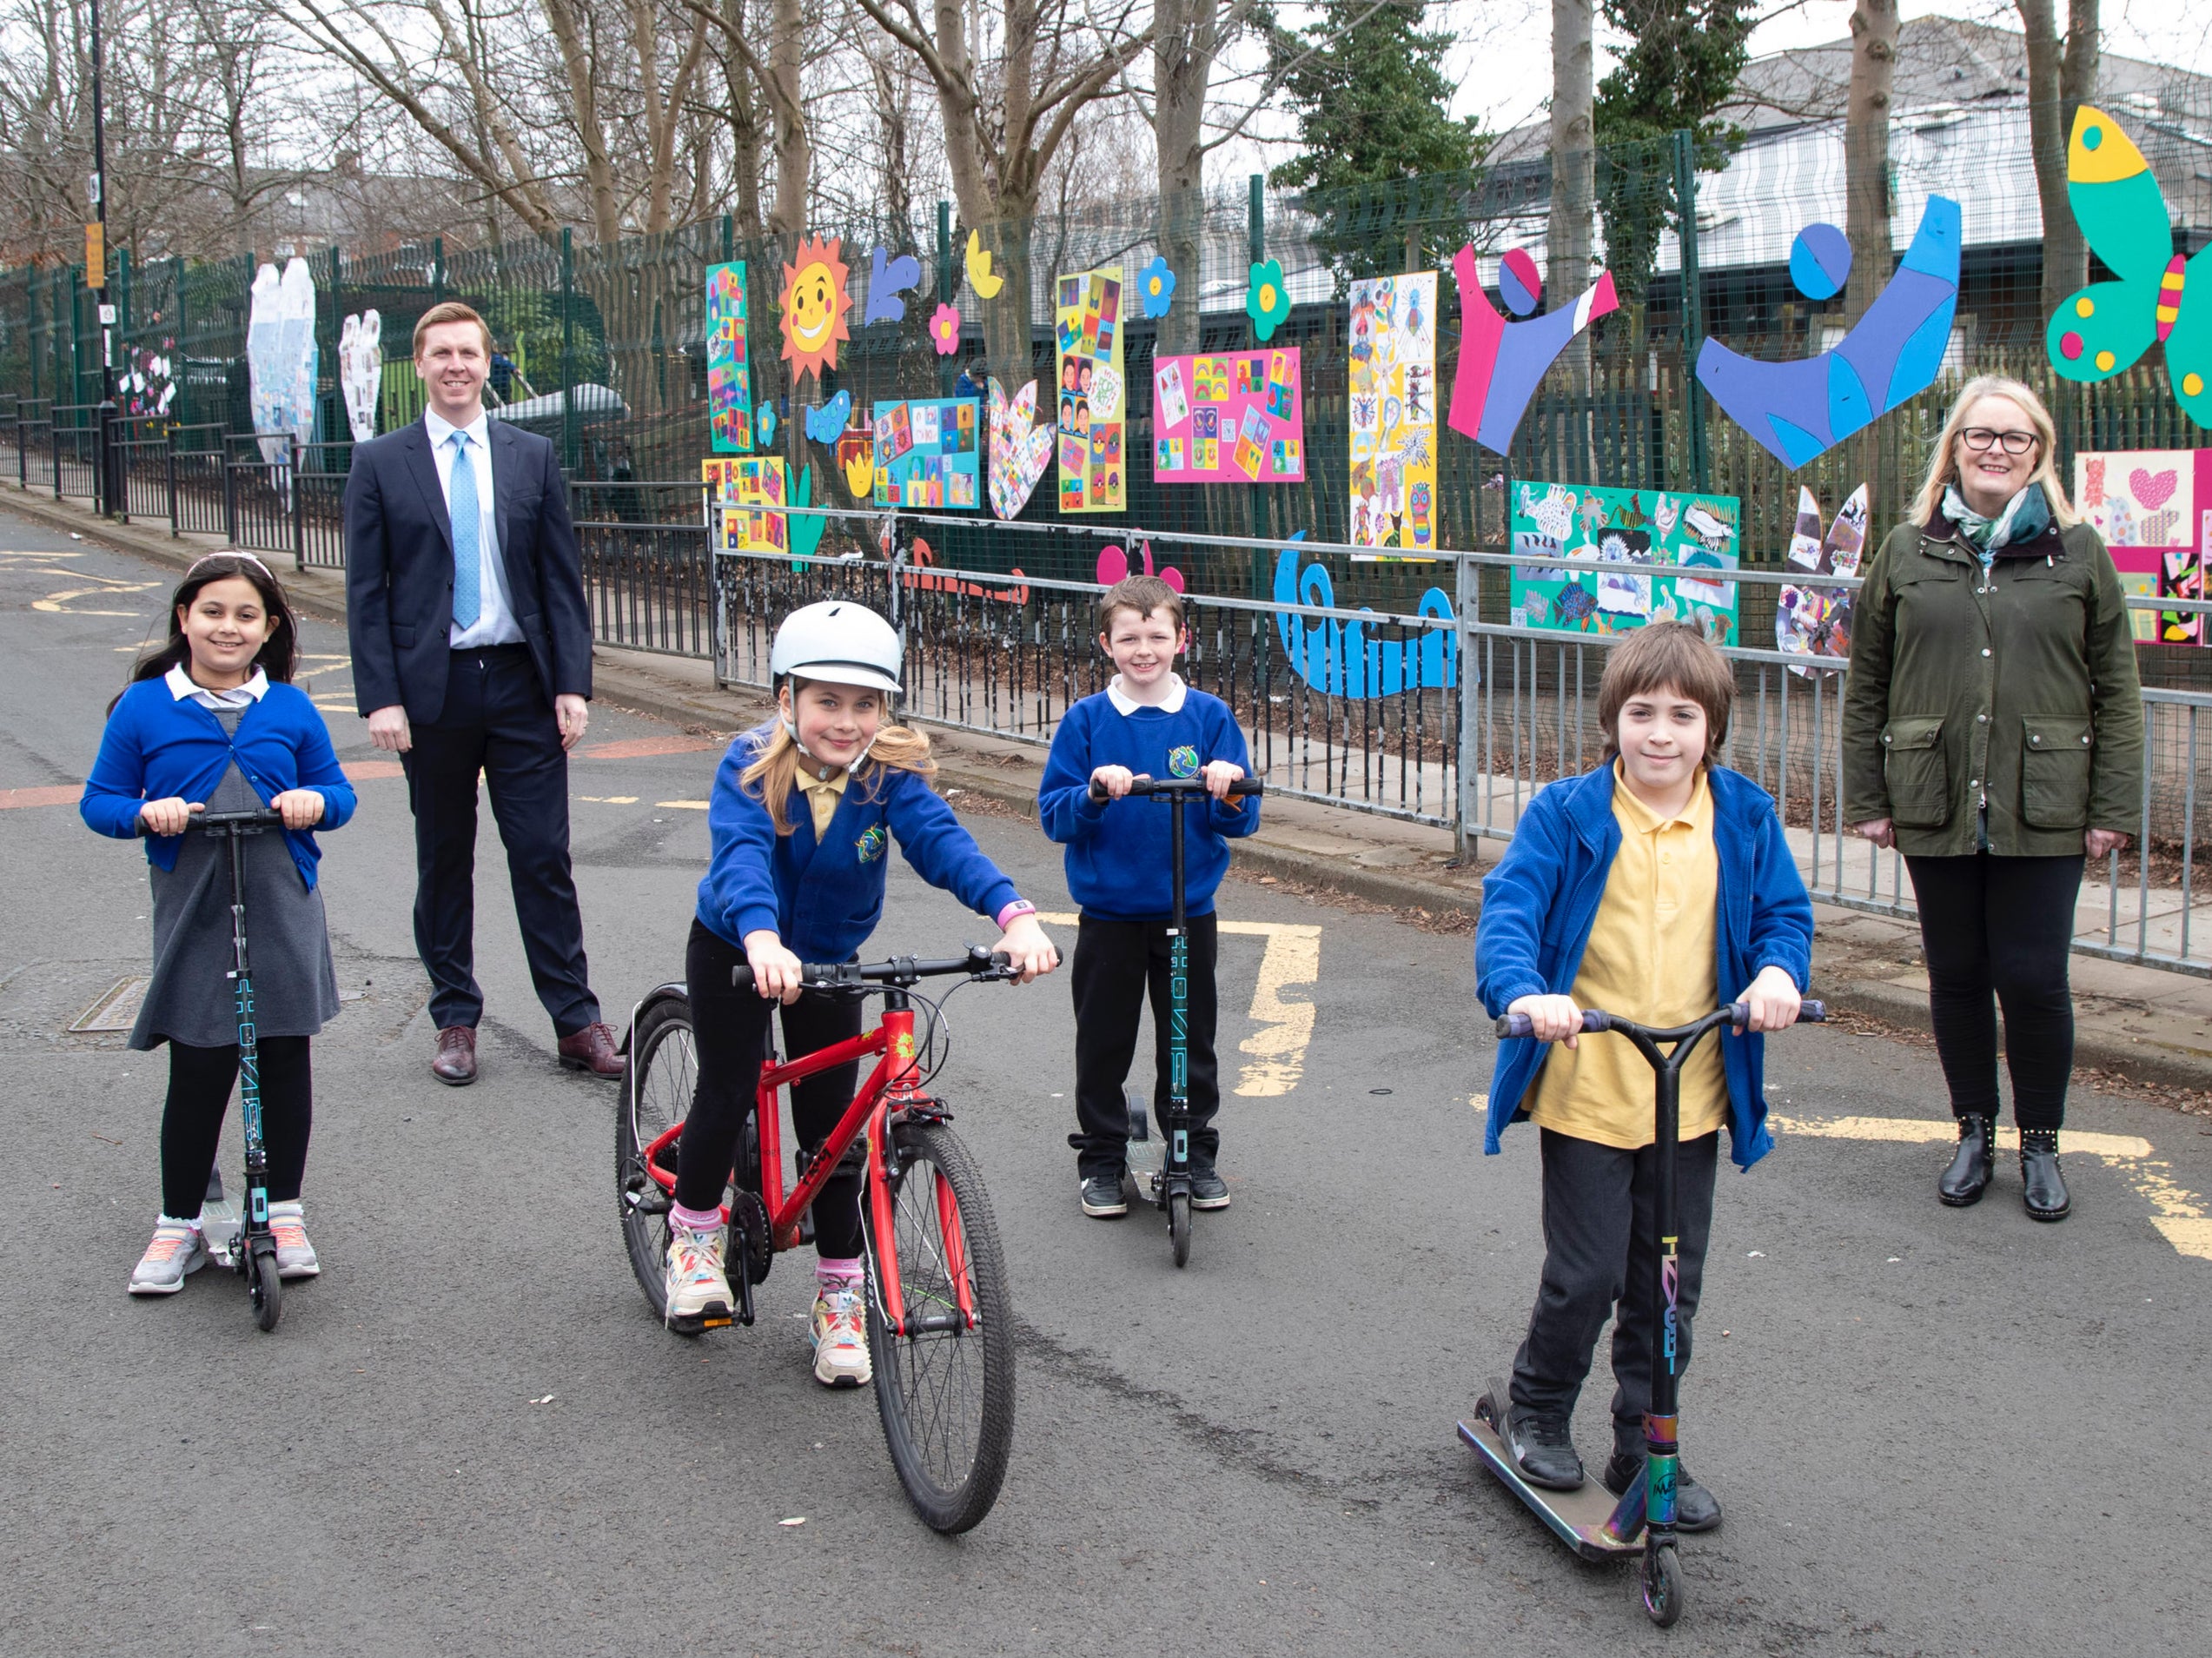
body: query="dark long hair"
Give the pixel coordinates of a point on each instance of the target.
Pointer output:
(279, 654)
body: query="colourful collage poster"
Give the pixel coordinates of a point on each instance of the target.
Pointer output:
(2154, 510)
(928, 453)
(729, 371)
(1239, 417)
(1643, 532)
(1094, 402)
(742, 496)
(1392, 388)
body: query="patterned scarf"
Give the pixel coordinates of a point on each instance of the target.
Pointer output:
(2025, 516)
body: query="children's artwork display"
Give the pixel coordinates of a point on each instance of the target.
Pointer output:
(729, 369)
(281, 358)
(2154, 510)
(1501, 362)
(928, 453)
(1393, 397)
(361, 368)
(1093, 403)
(1236, 417)
(815, 307)
(1816, 622)
(1672, 551)
(1020, 448)
(741, 507)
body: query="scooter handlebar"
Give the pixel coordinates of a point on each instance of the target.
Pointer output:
(1520, 1024)
(1163, 786)
(252, 818)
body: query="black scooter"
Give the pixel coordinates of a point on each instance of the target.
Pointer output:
(1163, 1173)
(1641, 1521)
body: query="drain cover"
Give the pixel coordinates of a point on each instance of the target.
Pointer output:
(116, 1010)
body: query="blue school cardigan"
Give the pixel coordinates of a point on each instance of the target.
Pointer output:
(156, 747)
(824, 898)
(1539, 902)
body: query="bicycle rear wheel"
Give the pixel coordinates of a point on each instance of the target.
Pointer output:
(945, 1385)
(656, 1096)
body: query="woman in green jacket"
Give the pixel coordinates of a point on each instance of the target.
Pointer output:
(1993, 734)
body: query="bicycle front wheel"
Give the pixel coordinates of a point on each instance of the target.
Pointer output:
(945, 1383)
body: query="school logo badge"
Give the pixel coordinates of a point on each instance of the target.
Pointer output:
(1183, 761)
(871, 844)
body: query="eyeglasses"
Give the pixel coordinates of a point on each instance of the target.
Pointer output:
(1981, 437)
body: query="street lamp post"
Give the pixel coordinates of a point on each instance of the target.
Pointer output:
(95, 271)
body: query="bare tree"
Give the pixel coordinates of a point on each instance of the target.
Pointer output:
(2061, 76)
(1574, 164)
(1866, 149)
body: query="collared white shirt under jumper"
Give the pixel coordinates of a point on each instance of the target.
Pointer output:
(495, 623)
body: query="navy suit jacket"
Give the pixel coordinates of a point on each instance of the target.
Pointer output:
(400, 569)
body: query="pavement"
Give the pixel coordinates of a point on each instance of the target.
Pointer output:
(470, 1435)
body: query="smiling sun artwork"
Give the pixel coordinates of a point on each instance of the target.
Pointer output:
(815, 304)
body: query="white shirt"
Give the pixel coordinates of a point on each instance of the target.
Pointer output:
(184, 688)
(1125, 704)
(495, 623)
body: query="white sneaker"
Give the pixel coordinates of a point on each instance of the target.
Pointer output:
(176, 1252)
(699, 1291)
(840, 1340)
(294, 1255)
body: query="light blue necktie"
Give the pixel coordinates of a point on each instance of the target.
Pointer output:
(468, 527)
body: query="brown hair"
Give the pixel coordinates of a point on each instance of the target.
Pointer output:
(1942, 464)
(1667, 656)
(279, 655)
(771, 779)
(1143, 595)
(450, 311)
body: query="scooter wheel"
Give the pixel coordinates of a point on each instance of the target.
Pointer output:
(1179, 1227)
(269, 1291)
(1663, 1589)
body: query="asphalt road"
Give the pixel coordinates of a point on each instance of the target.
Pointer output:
(1933, 1430)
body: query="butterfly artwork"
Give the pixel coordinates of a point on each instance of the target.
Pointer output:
(2157, 296)
(887, 278)
(825, 424)
(1816, 620)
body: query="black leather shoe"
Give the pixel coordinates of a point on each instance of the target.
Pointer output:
(1968, 1178)
(1695, 1508)
(2045, 1188)
(1543, 1449)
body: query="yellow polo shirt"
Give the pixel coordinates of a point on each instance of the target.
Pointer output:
(1653, 958)
(822, 797)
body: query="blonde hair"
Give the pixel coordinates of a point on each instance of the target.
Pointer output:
(1943, 464)
(450, 311)
(771, 779)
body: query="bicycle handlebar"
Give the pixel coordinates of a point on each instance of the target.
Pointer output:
(978, 963)
(1178, 786)
(1520, 1024)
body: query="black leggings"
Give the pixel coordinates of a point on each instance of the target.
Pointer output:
(200, 1081)
(730, 1027)
(2001, 926)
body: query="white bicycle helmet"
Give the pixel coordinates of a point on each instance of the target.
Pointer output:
(838, 641)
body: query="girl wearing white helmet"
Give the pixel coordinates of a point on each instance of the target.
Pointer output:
(787, 886)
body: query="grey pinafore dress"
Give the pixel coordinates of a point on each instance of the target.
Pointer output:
(190, 998)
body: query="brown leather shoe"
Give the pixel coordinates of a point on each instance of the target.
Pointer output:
(455, 1064)
(595, 1049)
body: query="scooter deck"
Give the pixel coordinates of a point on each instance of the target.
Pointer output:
(1584, 1520)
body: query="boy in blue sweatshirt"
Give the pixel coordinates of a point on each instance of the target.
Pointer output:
(1146, 723)
(1658, 887)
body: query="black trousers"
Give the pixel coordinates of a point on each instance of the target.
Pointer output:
(730, 1027)
(200, 1083)
(1997, 929)
(1116, 963)
(497, 721)
(1600, 1242)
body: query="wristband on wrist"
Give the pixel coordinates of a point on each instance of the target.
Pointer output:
(1019, 907)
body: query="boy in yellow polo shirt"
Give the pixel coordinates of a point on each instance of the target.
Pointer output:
(1644, 888)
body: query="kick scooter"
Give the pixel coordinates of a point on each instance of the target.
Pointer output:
(1163, 1172)
(1641, 1521)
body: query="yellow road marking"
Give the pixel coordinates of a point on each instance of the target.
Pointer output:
(57, 603)
(1278, 1048)
(610, 799)
(680, 806)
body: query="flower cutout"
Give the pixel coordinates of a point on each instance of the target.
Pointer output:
(764, 424)
(944, 330)
(1267, 301)
(1158, 285)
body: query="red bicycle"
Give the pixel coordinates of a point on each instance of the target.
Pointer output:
(940, 1324)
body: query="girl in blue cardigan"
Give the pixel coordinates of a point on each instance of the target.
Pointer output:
(786, 886)
(212, 722)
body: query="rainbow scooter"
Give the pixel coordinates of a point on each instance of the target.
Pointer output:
(1589, 1521)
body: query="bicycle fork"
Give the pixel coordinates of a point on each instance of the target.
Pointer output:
(884, 1170)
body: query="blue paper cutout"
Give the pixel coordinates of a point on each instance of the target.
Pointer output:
(1501, 363)
(1820, 261)
(1797, 410)
(1155, 287)
(764, 425)
(1519, 283)
(1338, 659)
(887, 278)
(827, 423)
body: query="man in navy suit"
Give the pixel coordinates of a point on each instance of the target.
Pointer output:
(473, 653)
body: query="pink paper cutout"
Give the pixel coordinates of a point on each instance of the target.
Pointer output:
(1114, 566)
(2153, 490)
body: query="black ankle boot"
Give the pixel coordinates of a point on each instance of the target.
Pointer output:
(2045, 1188)
(1968, 1178)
